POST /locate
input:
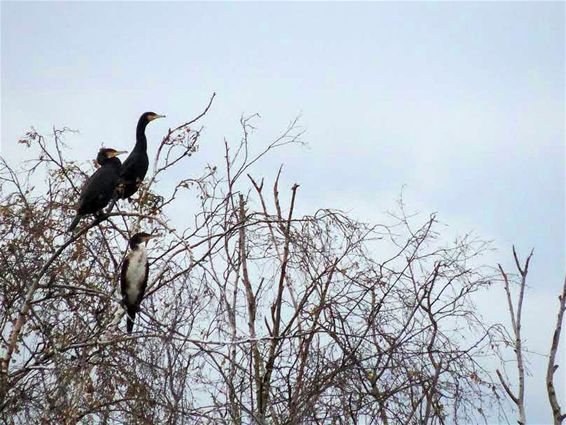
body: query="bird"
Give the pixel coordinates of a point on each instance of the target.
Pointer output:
(135, 166)
(99, 188)
(133, 277)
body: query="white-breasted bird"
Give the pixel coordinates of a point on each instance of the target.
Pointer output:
(133, 279)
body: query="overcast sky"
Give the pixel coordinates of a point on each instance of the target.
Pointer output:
(461, 103)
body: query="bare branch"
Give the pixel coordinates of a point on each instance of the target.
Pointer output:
(552, 366)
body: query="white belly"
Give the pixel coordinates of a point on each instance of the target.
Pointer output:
(135, 275)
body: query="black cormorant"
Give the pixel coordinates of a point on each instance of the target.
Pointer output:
(133, 278)
(99, 188)
(135, 166)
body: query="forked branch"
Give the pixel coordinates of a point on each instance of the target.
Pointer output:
(519, 398)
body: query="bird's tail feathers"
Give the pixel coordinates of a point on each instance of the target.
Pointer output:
(131, 315)
(74, 223)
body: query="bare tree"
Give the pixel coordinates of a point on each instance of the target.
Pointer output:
(516, 342)
(552, 366)
(255, 313)
(516, 313)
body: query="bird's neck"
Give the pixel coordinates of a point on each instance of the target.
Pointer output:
(138, 248)
(113, 162)
(141, 141)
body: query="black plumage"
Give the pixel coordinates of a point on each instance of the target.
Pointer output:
(99, 188)
(135, 166)
(133, 278)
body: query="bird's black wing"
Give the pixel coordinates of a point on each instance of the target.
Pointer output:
(134, 167)
(132, 173)
(123, 284)
(98, 190)
(127, 166)
(88, 184)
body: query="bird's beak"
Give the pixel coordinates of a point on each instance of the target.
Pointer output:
(156, 116)
(116, 153)
(148, 237)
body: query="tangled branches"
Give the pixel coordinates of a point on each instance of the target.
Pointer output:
(254, 314)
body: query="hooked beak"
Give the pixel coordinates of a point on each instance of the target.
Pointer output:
(116, 153)
(149, 237)
(156, 116)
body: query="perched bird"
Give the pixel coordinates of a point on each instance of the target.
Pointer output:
(135, 166)
(99, 188)
(133, 279)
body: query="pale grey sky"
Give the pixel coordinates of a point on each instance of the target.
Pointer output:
(463, 103)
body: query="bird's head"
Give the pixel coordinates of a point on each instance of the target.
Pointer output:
(140, 238)
(150, 116)
(105, 154)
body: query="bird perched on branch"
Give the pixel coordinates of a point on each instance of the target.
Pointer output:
(133, 278)
(99, 188)
(135, 166)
